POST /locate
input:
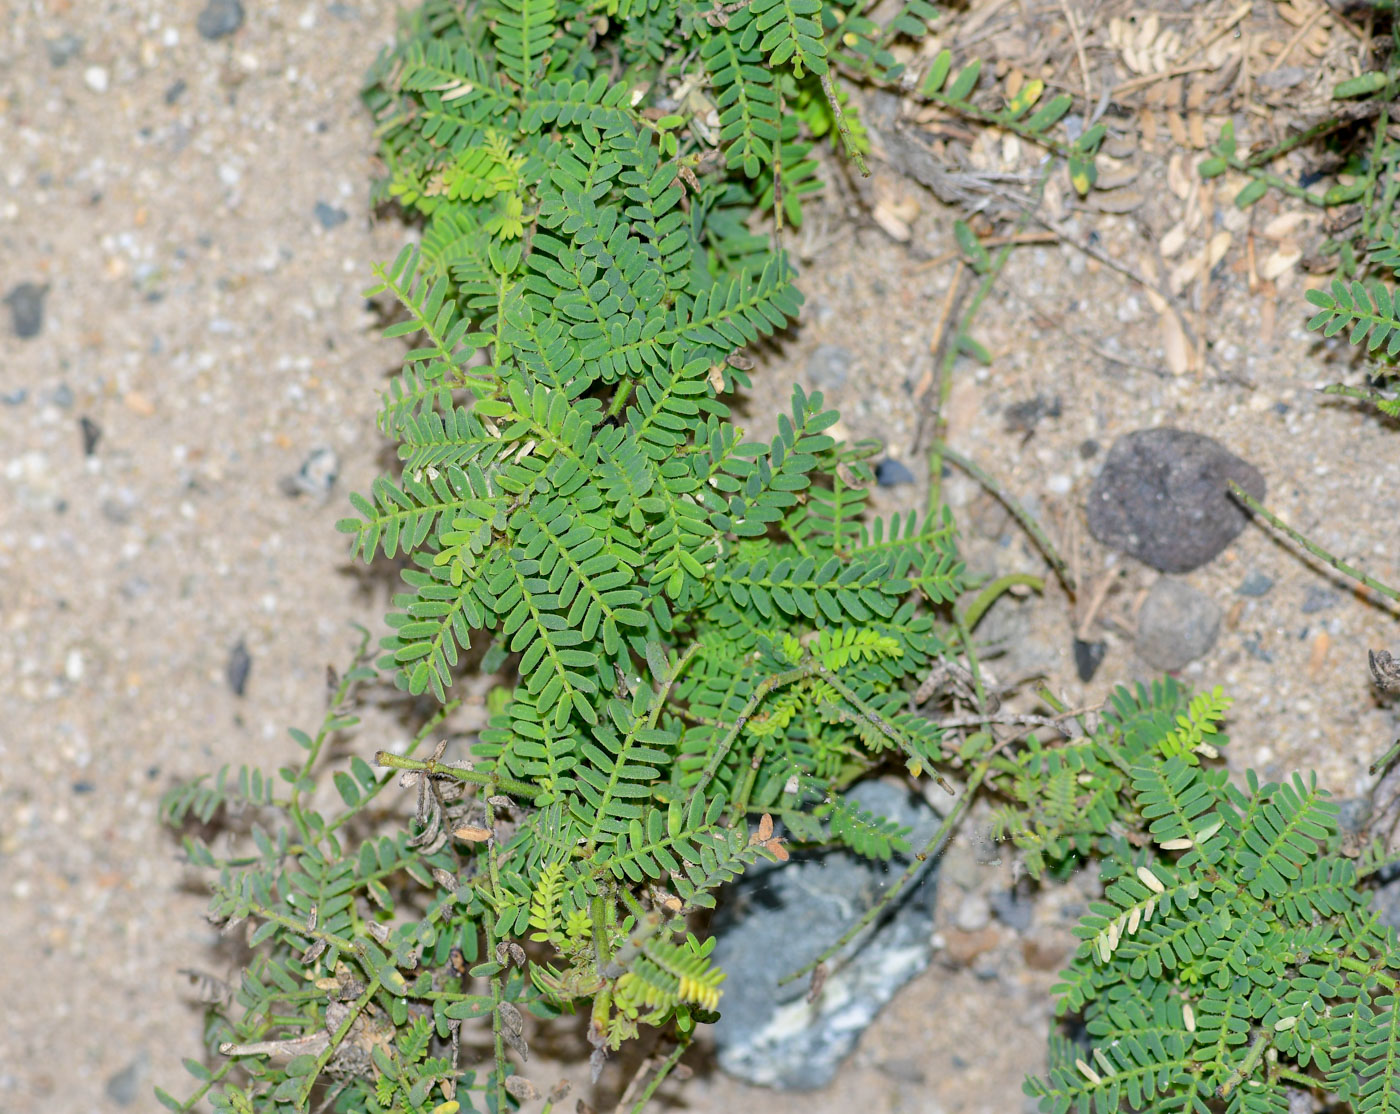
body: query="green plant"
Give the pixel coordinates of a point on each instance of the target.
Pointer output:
(1234, 956)
(703, 636)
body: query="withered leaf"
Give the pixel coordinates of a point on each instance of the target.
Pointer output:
(472, 834)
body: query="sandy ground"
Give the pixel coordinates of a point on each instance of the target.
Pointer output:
(181, 201)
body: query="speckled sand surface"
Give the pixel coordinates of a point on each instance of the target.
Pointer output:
(205, 316)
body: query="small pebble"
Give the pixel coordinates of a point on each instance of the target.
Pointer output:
(961, 948)
(219, 19)
(316, 476)
(829, 366)
(176, 91)
(1255, 583)
(123, 1086)
(329, 216)
(63, 49)
(1319, 599)
(15, 397)
(974, 913)
(1177, 625)
(92, 433)
(1012, 909)
(96, 78)
(1047, 951)
(26, 302)
(83, 787)
(240, 663)
(891, 473)
(1284, 77)
(62, 396)
(1023, 417)
(1088, 449)
(1088, 656)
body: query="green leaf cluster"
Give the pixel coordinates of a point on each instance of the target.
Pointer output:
(1233, 957)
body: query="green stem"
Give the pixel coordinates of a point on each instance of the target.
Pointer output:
(911, 872)
(371, 989)
(953, 345)
(851, 150)
(993, 591)
(661, 1073)
(434, 768)
(497, 989)
(1019, 513)
(721, 750)
(1310, 546)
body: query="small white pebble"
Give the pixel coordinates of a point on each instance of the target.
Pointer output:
(73, 665)
(973, 914)
(1059, 484)
(95, 78)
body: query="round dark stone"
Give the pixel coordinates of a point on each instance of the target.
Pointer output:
(219, 18)
(1162, 497)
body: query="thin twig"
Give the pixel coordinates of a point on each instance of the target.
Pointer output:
(1079, 50)
(843, 127)
(1303, 29)
(1312, 547)
(1029, 524)
(1012, 719)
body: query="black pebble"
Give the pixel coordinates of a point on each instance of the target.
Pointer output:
(330, 216)
(92, 433)
(1088, 656)
(219, 19)
(26, 302)
(891, 473)
(240, 662)
(83, 787)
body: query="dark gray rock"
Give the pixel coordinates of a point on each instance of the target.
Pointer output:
(1162, 497)
(219, 19)
(1013, 909)
(1176, 624)
(26, 302)
(891, 473)
(123, 1086)
(829, 367)
(1319, 599)
(777, 918)
(1088, 656)
(329, 216)
(240, 664)
(1255, 583)
(63, 48)
(176, 90)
